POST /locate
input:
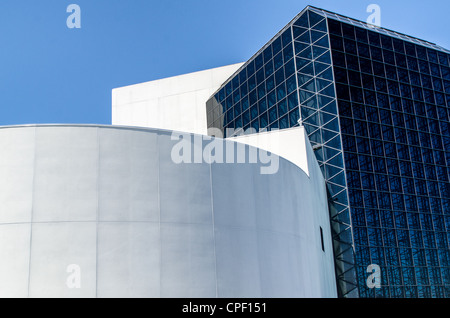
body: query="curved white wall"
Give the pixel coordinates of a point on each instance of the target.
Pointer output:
(111, 201)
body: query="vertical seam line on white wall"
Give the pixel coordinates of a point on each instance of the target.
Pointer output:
(213, 227)
(158, 149)
(97, 212)
(32, 209)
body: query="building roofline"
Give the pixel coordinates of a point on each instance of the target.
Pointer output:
(381, 30)
(375, 28)
(105, 126)
(330, 15)
(261, 49)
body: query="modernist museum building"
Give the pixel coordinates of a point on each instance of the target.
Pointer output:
(314, 169)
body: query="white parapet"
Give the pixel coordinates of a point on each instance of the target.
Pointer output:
(289, 144)
(174, 103)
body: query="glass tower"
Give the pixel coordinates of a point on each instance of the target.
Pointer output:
(375, 104)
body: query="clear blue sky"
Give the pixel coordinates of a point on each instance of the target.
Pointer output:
(53, 74)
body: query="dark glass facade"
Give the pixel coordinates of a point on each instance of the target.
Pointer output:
(393, 98)
(375, 103)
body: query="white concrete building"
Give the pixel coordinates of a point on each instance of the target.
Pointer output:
(104, 211)
(111, 211)
(174, 103)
